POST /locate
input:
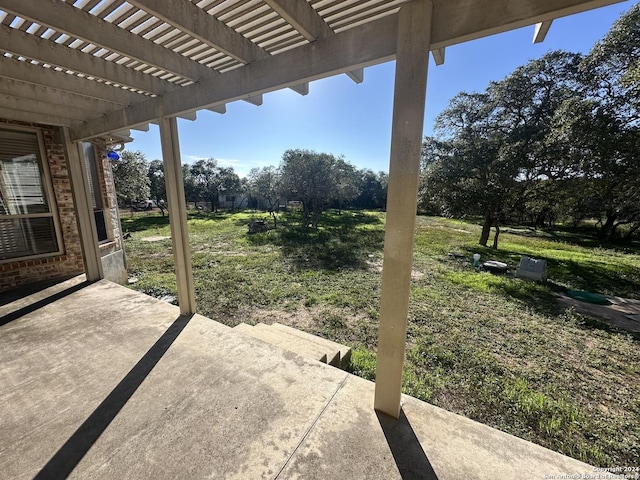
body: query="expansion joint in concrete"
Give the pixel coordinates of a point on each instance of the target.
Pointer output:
(313, 424)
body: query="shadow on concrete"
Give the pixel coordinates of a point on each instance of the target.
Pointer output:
(75, 448)
(20, 312)
(407, 452)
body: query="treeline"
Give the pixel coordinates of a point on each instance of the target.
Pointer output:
(317, 180)
(556, 140)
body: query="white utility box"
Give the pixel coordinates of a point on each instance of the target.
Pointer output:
(532, 269)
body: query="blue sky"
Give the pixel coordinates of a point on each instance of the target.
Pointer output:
(343, 118)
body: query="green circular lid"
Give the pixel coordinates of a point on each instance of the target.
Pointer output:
(588, 297)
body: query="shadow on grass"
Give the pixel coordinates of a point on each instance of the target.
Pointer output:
(585, 237)
(202, 215)
(593, 276)
(143, 222)
(339, 243)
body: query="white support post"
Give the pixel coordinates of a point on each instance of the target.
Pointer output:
(412, 60)
(84, 208)
(177, 214)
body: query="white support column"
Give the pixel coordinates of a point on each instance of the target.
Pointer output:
(412, 60)
(177, 214)
(84, 208)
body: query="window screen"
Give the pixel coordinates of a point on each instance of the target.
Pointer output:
(27, 225)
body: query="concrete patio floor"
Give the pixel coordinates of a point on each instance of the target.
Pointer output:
(103, 382)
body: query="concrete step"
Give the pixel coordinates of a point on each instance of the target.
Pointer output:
(312, 342)
(286, 342)
(345, 352)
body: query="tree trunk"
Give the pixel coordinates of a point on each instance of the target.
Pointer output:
(305, 216)
(315, 217)
(495, 239)
(486, 230)
(607, 227)
(631, 231)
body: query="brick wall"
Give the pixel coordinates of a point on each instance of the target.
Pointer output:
(110, 203)
(14, 274)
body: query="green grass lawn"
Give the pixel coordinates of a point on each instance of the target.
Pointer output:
(495, 349)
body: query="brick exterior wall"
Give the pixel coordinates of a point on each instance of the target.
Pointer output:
(15, 274)
(111, 217)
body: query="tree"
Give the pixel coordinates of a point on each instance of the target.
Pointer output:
(492, 157)
(130, 177)
(264, 184)
(603, 151)
(205, 180)
(346, 182)
(608, 125)
(612, 69)
(308, 177)
(190, 191)
(157, 188)
(229, 183)
(464, 172)
(372, 189)
(526, 103)
(210, 181)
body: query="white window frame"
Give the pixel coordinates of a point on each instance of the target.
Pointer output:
(48, 190)
(100, 182)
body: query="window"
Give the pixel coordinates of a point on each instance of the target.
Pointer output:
(28, 220)
(95, 191)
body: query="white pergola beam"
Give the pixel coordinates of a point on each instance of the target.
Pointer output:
(177, 214)
(303, 17)
(48, 77)
(371, 44)
(221, 109)
(302, 89)
(143, 127)
(44, 109)
(368, 44)
(438, 56)
(186, 16)
(30, 46)
(254, 100)
(541, 30)
(64, 99)
(488, 17)
(122, 133)
(356, 75)
(191, 116)
(412, 61)
(62, 17)
(32, 117)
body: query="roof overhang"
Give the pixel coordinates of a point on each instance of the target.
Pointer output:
(101, 66)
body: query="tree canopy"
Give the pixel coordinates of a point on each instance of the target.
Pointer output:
(557, 139)
(307, 176)
(130, 177)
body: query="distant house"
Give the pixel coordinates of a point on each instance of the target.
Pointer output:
(39, 235)
(233, 202)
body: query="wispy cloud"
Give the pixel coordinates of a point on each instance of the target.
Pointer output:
(193, 158)
(227, 162)
(231, 162)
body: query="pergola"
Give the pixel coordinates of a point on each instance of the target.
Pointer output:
(97, 68)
